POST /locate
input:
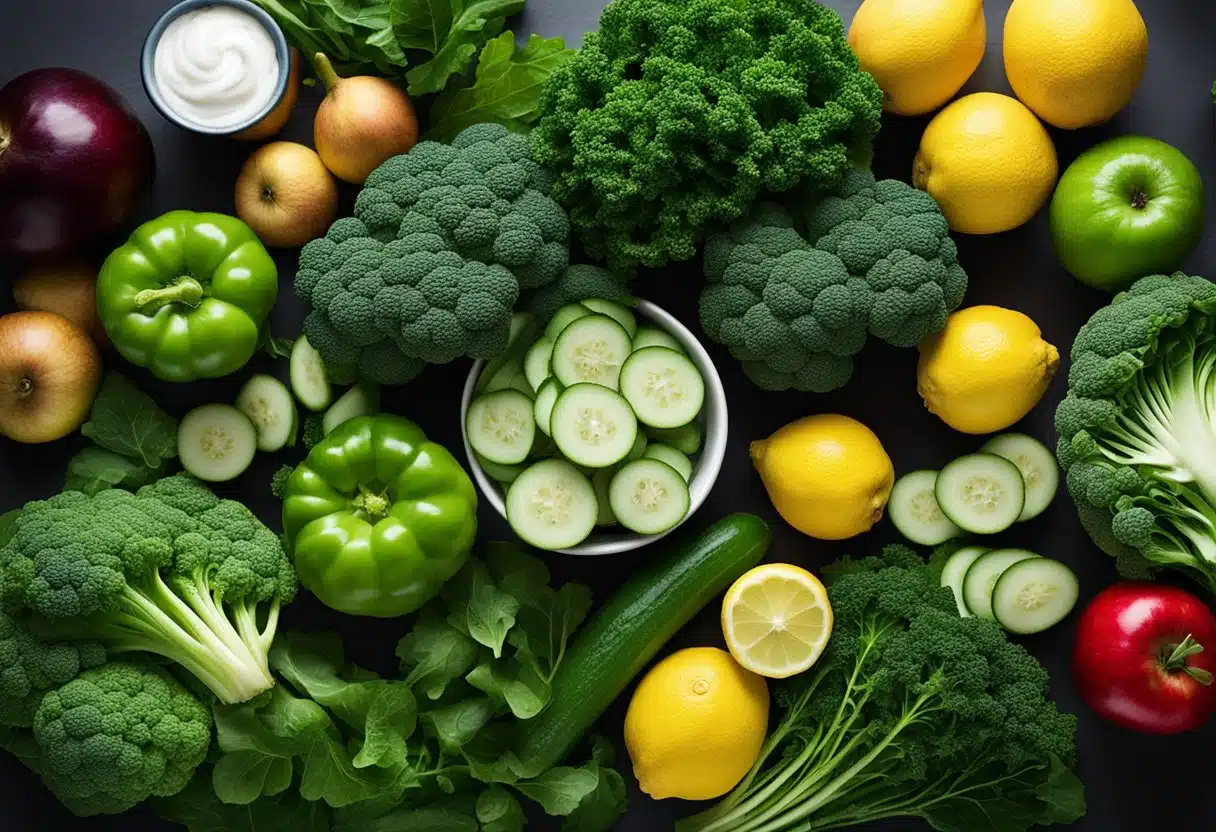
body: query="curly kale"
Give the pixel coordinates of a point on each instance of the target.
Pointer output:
(677, 115)
(912, 711)
(1138, 427)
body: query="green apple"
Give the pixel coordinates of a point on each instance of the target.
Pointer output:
(1129, 207)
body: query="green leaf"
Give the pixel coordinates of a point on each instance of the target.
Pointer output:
(96, 469)
(242, 777)
(126, 421)
(454, 726)
(601, 808)
(990, 799)
(1062, 793)
(477, 607)
(506, 89)
(450, 30)
(277, 347)
(561, 790)
(518, 685)
(435, 653)
(391, 721)
(199, 809)
(8, 525)
(499, 811)
(426, 819)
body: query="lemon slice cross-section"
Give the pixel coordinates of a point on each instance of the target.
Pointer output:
(777, 620)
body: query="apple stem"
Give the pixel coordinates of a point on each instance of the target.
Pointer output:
(186, 290)
(325, 70)
(1176, 656)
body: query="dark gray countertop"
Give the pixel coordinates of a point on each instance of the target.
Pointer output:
(1134, 782)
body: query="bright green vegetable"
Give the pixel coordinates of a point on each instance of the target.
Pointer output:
(678, 114)
(912, 712)
(377, 518)
(1137, 436)
(631, 628)
(187, 296)
(172, 570)
(431, 265)
(29, 667)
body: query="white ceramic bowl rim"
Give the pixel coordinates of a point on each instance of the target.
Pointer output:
(709, 461)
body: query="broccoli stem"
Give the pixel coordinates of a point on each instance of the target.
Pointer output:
(185, 290)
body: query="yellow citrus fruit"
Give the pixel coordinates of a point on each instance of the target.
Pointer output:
(986, 370)
(777, 620)
(695, 725)
(828, 476)
(920, 52)
(988, 162)
(1075, 62)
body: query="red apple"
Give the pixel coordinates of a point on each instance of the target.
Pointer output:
(49, 373)
(1145, 656)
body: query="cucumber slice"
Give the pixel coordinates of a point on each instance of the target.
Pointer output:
(593, 426)
(955, 570)
(523, 328)
(546, 397)
(686, 440)
(1033, 595)
(500, 426)
(663, 387)
(308, 379)
(600, 481)
(648, 496)
(614, 310)
(1038, 467)
(563, 317)
(668, 454)
(651, 336)
(551, 505)
(216, 442)
(269, 405)
(914, 510)
(510, 376)
(501, 474)
(361, 400)
(982, 575)
(592, 349)
(981, 493)
(536, 363)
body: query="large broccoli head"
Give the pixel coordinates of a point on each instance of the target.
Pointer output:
(790, 313)
(119, 734)
(29, 667)
(429, 268)
(678, 114)
(896, 238)
(1138, 427)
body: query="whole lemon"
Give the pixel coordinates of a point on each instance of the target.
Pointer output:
(986, 370)
(696, 724)
(1075, 62)
(920, 52)
(828, 475)
(988, 162)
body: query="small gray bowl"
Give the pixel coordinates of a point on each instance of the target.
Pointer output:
(148, 64)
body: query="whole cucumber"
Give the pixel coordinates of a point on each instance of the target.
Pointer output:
(631, 628)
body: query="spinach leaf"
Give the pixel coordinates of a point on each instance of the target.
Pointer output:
(561, 790)
(127, 422)
(200, 809)
(600, 808)
(435, 653)
(95, 469)
(479, 608)
(450, 30)
(499, 811)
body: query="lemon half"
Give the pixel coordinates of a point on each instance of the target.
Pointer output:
(777, 620)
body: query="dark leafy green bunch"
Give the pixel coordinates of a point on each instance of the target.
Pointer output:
(677, 115)
(911, 712)
(1138, 427)
(443, 240)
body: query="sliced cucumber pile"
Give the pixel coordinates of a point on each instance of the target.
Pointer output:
(594, 409)
(1038, 467)
(1020, 590)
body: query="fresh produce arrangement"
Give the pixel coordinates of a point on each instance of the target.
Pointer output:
(510, 202)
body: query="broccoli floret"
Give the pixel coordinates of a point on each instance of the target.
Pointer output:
(171, 570)
(896, 239)
(1137, 430)
(29, 667)
(677, 115)
(117, 735)
(577, 283)
(912, 711)
(790, 313)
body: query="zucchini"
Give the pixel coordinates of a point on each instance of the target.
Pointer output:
(631, 628)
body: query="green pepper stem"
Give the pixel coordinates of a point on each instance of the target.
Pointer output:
(186, 290)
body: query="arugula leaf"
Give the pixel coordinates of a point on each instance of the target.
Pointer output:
(432, 818)
(454, 726)
(499, 811)
(599, 809)
(126, 421)
(8, 525)
(506, 88)
(561, 790)
(450, 30)
(391, 720)
(478, 607)
(435, 653)
(96, 469)
(249, 755)
(518, 685)
(199, 809)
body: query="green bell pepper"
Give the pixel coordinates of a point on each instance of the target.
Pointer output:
(187, 295)
(378, 518)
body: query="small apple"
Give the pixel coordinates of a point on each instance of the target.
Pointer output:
(286, 195)
(49, 373)
(68, 289)
(1127, 208)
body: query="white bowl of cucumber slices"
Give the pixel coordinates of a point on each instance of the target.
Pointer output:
(598, 433)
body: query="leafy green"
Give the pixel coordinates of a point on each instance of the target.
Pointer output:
(450, 30)
(200, 809)
(126, 421)
(506, 88)
(499, 811)
(95, 469)
(355, 34)
(435, 653)
(479, 609)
